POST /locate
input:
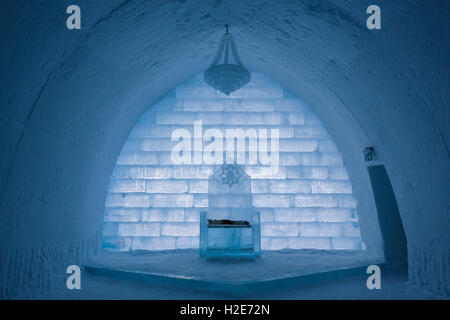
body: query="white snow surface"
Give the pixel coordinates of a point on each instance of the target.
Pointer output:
(70, 98)
(272, 265)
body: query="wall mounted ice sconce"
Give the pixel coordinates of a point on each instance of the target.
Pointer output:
(369, 154)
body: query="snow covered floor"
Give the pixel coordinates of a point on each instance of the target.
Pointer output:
(96, 287)
(273, 264)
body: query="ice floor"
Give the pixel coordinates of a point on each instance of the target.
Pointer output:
(273, 264)
(96, 287)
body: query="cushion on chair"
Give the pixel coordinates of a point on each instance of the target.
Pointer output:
(212, 222)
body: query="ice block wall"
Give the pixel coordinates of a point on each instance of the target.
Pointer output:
(153, 204)
(71, 97)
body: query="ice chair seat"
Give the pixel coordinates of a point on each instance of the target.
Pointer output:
(231, 227)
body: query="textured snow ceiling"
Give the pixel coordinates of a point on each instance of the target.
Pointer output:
(70, 98)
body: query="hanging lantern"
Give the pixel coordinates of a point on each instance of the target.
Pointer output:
(227, 77)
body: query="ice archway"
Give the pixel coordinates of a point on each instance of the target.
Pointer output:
(67, 109)
(304, 197)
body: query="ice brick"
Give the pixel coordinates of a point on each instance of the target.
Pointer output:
(167, 200)
(320, 229)
(114, 201)
(180, 229)
(255, 105)
(295, 214)
(266, 214)
(198, 186)
(279, 229)
(110, 229)
(334, 214)
(122, 215)
(136, 201)
(200, 200)
(310, 173)
(126, 186)
(197, 105)
(331, 187)
(298, 145)
(273, 201)
(278, 243)
(164, 214)
(116, 243)
(316, 200)
(192, 214)
(291, 105)
(309, 243)
(187, 242)
(267, 92)
(311, 132)
(139, 229)
(297, 118)
(260, 186)
(290, 186)
(166, 186)
(153, 243)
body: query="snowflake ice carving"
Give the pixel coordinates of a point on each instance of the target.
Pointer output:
(229, 174)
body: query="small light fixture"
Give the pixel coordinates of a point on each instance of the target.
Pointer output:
(227, 77)
(369, 154)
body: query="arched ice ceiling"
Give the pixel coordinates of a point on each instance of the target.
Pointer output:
(70, 98)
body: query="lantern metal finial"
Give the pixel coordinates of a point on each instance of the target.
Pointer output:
(227, 77)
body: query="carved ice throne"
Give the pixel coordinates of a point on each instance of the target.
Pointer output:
(231, 227)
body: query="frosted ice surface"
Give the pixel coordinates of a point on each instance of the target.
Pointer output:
(306, 202)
